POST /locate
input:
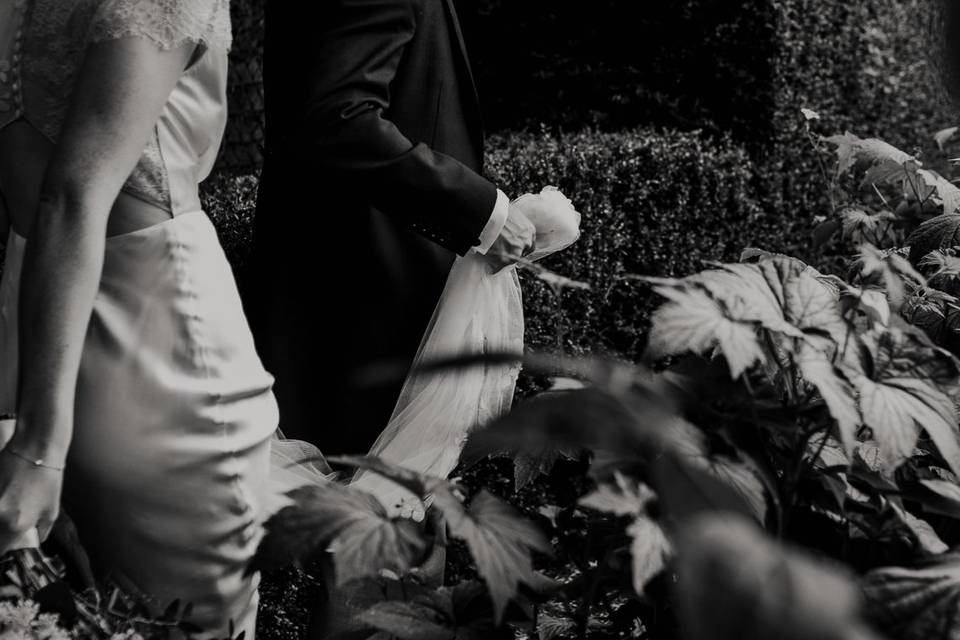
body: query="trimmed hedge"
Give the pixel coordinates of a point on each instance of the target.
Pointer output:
(653, 203)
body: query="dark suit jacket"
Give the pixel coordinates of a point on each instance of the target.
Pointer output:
(371, 183)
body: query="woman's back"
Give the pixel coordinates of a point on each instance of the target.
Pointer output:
(138, 372)
(42, 46)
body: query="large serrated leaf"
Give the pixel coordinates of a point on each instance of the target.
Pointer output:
(354, 524)
(724, 308)
(693, 322)
(500, 542)
(852, 150)
(911, 385)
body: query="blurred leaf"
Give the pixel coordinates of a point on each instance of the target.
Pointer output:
(416, 483)
(590, 418)
(625, 498)
(689, 490)
(554, 280)
(739, 485)
(650, 550)
(735, 584)
(891, 270)
(944, 136)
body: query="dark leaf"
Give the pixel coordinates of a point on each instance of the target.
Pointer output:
(590, 418)
(530, 465)
(365, 541)
(407, 621)
(691, 489)
(916, 603)
(940, 497)
(941, 232)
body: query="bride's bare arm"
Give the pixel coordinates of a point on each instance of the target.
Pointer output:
(118, 99)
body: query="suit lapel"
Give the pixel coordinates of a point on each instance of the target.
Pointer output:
(461, 43)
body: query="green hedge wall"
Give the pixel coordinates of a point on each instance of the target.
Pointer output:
(653, 202)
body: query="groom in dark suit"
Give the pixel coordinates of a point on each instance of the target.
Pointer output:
(371, 183)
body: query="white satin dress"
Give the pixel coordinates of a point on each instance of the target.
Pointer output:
(170, 457)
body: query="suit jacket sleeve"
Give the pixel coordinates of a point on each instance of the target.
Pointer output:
(354, 60)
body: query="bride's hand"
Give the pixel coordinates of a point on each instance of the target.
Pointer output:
(29, 498)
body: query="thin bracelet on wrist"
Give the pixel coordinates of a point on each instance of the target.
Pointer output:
(37, 462)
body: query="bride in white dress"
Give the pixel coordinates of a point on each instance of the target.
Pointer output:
(128, 376)
(138, 395)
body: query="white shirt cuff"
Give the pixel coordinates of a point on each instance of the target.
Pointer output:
(495, 224)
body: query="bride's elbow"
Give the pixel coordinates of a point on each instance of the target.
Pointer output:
(69, 205)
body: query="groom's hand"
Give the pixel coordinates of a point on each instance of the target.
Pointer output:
(516, 240)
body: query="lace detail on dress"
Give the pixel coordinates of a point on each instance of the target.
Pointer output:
(58, 33)
(149, 179)
(52, 60)
(168, 23)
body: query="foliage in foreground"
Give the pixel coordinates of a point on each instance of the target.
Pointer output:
(785, 465)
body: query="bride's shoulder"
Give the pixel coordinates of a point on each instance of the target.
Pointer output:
(168, 23)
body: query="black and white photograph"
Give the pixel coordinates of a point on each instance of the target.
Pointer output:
(479, 319)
